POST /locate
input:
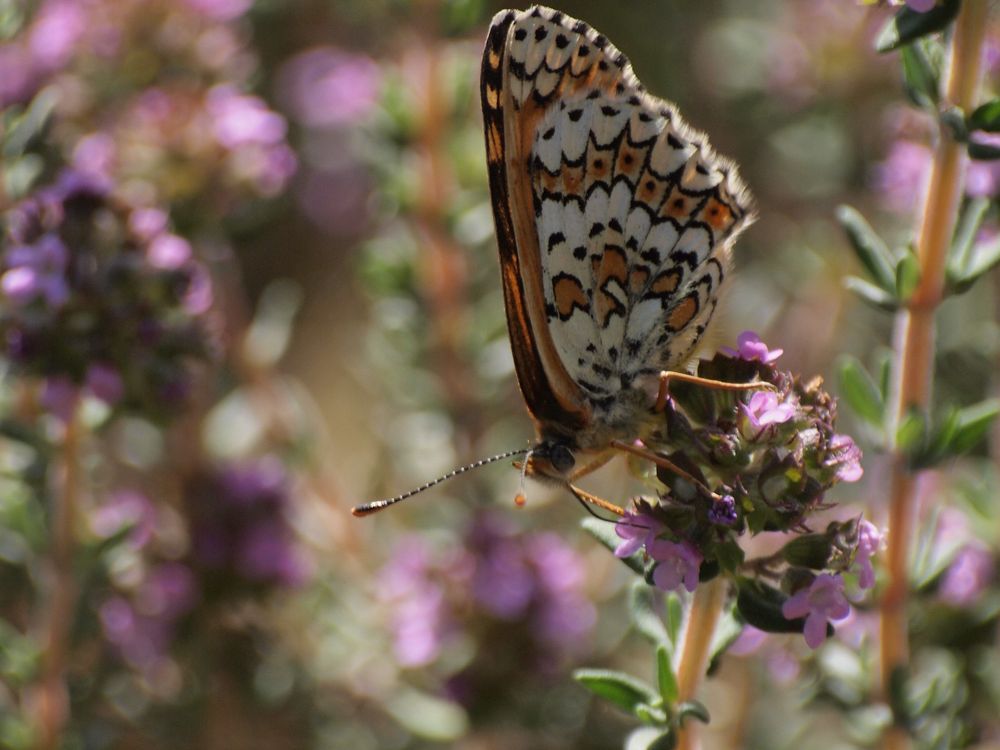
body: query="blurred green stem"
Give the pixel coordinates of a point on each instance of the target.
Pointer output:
(696, 649)
(51, 698)
(915, 337)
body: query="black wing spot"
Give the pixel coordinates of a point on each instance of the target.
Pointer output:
(555, 238)
(652, 256)
(615, 225)
(540, 33)
(620, 60)
(634, 101)
(562, 41)
(575, 114)
(580, 27)
(558, 18)
(603, 65)
(580, 252)
(700, 169)
(650, 185)
(548, 134)
(595, 94)
(598, 163)
(600, 41)
(583, 51)
(596, 228)
(632, 243)
(613, 353)
(536, 13)
(591, 348)
(609, 111)
(644, 117)
(520, 34)
(628, 159)
(673, 142)
(620, 88)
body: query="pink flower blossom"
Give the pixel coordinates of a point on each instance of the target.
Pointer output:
(105, 383)
(846, 456)
(636, 529)
(823, 600)
(968, 576)
(869, 542)
(750, 347)
(677, 563)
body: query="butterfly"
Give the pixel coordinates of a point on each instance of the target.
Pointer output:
(615, 222)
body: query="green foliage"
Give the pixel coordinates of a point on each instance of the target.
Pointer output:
(908, 25)
(861, 392)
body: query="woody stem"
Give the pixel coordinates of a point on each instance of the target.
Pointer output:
(696, 650)
(915, 338)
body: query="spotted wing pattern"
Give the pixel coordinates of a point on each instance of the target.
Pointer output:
(620, 216)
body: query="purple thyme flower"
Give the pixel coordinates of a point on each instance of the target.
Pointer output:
(59, 396)
(968, 576)
(750, 347)
(125, 508)
(678, 562)
(921, 6)
(823, 600)
(723, 512)
(761, 412)
(869, 541)
(846, 456)
(220, 10)
(636, 529)
(168, 251)
(240, 120)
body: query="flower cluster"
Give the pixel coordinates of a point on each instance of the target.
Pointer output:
(529, 585)
(240, 531)
(756, 461)
(100, 299)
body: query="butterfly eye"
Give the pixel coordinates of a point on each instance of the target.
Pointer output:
(561, 459)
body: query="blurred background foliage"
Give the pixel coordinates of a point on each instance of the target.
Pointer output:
(321, 161)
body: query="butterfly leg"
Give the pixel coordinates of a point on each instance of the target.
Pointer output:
(666, 463)
(720, 385)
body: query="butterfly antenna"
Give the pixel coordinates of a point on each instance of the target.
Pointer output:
(376, 505)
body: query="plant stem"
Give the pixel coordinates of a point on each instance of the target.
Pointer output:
(51, 699)
(706, 607)
(915, 336)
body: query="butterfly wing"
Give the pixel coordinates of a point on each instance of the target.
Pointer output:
(614, 218)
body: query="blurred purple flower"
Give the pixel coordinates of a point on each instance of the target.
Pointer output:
(846, 456)
(169, 591)
(125, 508)
(750, 347)
(168, 251)
(58, 27)
(821, 601)
(899, 179)
(147, 223)
(265, 554)
(968, 576)
(636, 529)
(326, 87)
(241, 120)
(337, 202)
(220, 10)
(37, 270)
(105, 383)
(95, 154)
(869, 542)
(503, 583)
(200, 295)
(677, 563)
(921, 6)
(748, 642)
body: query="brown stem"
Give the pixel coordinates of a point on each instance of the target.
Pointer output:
(915, 336)
(696, 649)
(51, 700)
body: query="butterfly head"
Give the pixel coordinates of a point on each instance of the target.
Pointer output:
(552, 459)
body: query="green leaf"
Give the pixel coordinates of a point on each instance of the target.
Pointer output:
(969, 223)
(642, 608)
(604, 532)
(861, 391)
(920, 77)
(911, 433)
(760, 605)
(984, 258)
(907, 275)
(973, 424)
(694, 709)
(808, 551)
(675, 616)
(622, 689)
(30, 127)
(665, 678)
(873, 295)
(871, 250)
(908, 25)
(983, 151)
(986, 117)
